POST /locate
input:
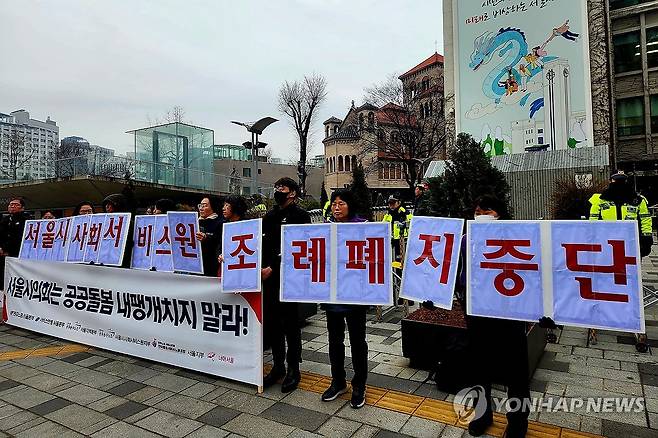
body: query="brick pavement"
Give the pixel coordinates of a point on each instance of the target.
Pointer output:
(49, 387)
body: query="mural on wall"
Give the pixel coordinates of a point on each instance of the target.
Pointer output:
(522, 74)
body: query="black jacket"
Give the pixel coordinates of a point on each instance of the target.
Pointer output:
(11, 232)
(211, 246)
(272, 223)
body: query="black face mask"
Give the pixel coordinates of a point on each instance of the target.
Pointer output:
(280, 197)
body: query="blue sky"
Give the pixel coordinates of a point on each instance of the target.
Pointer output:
(100, 68)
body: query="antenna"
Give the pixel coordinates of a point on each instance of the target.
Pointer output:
(436, 46)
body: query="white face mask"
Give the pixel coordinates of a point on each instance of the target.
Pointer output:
(485, 218)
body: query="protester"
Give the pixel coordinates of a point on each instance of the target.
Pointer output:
(344, 210)
(504, 340)
(84, 207)
(209, 234)
(281, 319)
(118, 203)
(48, 214)
(150, 210)
(11, 231)
(162, 206)
(234, 209)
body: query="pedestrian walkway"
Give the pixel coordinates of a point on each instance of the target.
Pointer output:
(49, 387)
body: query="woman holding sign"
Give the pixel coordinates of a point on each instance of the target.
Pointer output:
(499, 348)
(343, 209)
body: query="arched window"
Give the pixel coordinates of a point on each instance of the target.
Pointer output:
(326, 131)
(353, 161)
(394, 136)
(333, 164)
(380, 171)
(336, 129)
(340, 163)
(360, 121)
(387, 173)
(327, 165)
(412, 89)
(371, 120)
(398, 171)
(348, 164)
(381, 135)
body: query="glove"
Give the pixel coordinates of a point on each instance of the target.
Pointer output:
(547, 323)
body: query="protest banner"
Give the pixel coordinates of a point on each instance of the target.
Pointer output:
(504, 270)
(242, 252)
(61, 239)
(432, 260)
(597, 281)
(185, 248)
(162, 259)
(77, 239)
(29, 245)
(114, 238)
(306, 263)
(174, 319)
(143, 242)
(359, 259)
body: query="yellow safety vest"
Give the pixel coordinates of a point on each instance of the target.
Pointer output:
(396, 228)
(326, 210)
(602, 209)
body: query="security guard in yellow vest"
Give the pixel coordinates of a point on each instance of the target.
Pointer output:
(620, 202)
(398, 216)
(326, 211)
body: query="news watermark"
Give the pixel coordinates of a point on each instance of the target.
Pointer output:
(470, 404)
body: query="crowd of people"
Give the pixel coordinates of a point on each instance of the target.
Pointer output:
(488, 337)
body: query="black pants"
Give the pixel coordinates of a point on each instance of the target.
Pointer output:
(356, 326)
(281, 326)
(499, 354)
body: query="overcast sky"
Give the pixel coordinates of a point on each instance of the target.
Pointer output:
(100, 68)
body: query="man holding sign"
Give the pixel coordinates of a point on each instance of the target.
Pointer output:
(281, 319)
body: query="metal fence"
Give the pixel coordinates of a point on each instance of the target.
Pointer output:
(159, 173)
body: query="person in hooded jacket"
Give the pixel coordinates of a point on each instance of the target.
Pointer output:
(281, 323)
(11, 231)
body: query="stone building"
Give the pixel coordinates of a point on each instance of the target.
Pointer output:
(370, 134)
(623, 39)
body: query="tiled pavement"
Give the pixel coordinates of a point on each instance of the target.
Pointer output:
(49, 387)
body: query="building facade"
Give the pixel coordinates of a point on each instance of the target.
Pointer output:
(31, 159)
(371, 135)
(623, 46)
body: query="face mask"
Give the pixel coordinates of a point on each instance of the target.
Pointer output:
(485, 218)
(280, 197)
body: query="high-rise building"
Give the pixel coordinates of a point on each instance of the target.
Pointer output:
(33, 153)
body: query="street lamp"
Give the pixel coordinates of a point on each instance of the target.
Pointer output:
(255, 129)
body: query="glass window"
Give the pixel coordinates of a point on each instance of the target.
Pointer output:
(618, 4)
(630, 116)
(627, 52)
(246, 172)
(652, 47)
(654, 113)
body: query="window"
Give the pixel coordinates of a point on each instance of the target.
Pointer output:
(381, 136)
(360, 121)
(326, 131)
(540, 140)
(348, 163)
(630, 116)
(336, 129)
(618, 4)
(380, 171)
(654, 113)
(260, 171)
(371, 120)
(627, 52)
(353, 161)
(652, 47)
(340, 163)
(387, 173)
(246, 172)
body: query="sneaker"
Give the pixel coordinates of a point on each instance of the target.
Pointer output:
(334, 391)
(358, 397)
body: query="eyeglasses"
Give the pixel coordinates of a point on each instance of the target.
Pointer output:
(339, 204)
(14, 204)
(202, 205)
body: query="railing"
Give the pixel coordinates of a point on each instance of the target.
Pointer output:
(158, 173)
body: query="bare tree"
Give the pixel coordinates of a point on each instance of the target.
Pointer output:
(410, 127)
(175, 115)
(299, 100)
(15, 154)
(70, 158)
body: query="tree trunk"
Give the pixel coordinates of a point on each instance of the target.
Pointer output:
(302, 165)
